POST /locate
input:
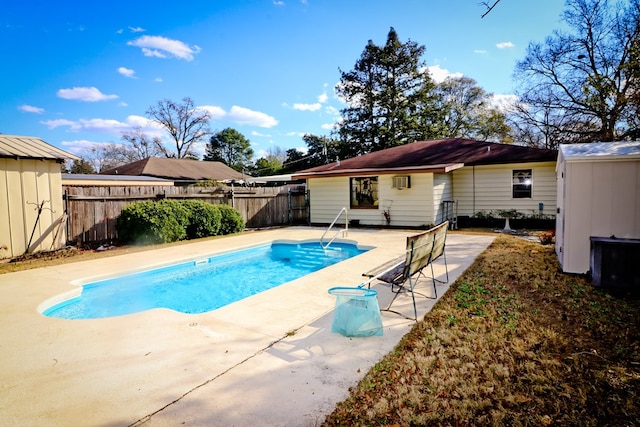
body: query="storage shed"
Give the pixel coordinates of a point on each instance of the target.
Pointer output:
(32, 216)
(598, 202)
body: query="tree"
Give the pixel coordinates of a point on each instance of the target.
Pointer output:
(81, 166)
(271, 164)
(489, 7)
(186, 124)
(141, 146)
(389, 97)
(582, 85)
(231, 148)
(467, 111)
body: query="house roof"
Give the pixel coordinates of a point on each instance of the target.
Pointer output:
(178, 169)
(29, 147)
(439, 155)
(85, 179)
(625, 150)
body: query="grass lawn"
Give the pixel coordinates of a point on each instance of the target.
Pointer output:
(513, 342)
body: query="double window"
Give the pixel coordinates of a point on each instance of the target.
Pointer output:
(522, 183)
(364, 192)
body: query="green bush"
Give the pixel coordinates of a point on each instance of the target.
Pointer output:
(204, 219)
(232, 221)
(148, 223)
(153, 222)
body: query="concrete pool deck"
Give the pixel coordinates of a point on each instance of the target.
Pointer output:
(270, 359)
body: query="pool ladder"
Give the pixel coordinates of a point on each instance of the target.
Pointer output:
(344, 231)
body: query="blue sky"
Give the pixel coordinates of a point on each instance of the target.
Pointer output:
(79, 73)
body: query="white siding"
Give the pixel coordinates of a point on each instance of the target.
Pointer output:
(409, 207)
(326, 197)
(489, 188)
(442, 190)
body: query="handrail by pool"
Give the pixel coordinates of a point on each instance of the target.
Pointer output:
(344, 232)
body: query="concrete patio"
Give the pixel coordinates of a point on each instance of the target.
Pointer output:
(270, 359)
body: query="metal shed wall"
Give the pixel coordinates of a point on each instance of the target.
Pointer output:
(25, 184)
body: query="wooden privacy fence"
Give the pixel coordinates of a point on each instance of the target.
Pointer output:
(92, 211)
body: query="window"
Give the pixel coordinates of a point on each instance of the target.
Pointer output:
(364, 192)
(522, 184)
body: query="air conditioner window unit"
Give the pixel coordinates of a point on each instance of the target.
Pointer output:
(401, 181)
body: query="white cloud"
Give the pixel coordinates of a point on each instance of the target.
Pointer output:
(307, 107)
(88, 94)
(261, 135)
(299, 134)
(439, 74)
(52, 124)
(278, 3)
(480, 51)
(245, 116)
(505, 45)
(162, 47)
(322, 98)
(241, 115)
(31, 109)
(504, 102)
(158, 80)
(127, 72)
(137, 29)
(107, 126)
(82, 146)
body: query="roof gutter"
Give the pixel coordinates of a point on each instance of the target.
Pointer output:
(379, 171)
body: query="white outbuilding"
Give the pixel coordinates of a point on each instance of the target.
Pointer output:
(598, 209)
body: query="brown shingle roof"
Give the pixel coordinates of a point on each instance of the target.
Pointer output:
(178, 169)
(29, 147)
(435, 155)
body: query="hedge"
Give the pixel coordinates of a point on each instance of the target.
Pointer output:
(165, 221)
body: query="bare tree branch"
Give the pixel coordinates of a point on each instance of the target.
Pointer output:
(489, 7)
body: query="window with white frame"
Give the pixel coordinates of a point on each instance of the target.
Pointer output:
(522, 183)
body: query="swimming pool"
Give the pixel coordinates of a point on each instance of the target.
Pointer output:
(205, 284)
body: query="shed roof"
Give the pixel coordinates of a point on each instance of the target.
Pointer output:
(29, 147)
(625, 150)
(178, 169)
(439, 155)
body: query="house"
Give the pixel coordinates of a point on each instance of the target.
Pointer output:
(598, 204)
(32, 213)
(181, 171)
(415, 185)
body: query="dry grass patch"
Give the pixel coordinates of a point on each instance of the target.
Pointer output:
(513, 342)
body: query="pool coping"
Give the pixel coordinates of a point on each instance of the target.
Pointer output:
(269, 359)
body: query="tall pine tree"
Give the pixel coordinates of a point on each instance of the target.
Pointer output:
(390, 99)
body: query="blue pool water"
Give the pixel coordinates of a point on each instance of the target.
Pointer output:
(202, 285)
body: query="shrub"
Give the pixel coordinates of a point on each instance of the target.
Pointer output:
(149, 223)
(547, 237)
(153, 222)
(231, 221)
(204, 219)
